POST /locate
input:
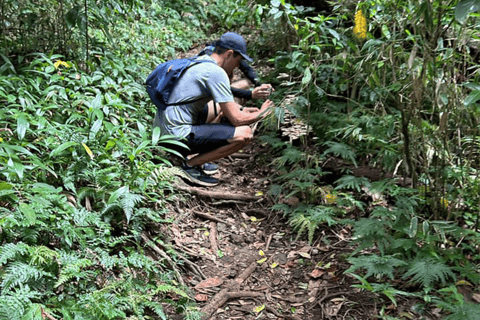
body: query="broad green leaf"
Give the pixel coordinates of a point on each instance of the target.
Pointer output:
(464, 7)
(155, 136)
(28, 212)
(472, 98)
(95, 128)
(62, 147)
(307, 76)
(17, 167)
(412, 232)
(22, 126)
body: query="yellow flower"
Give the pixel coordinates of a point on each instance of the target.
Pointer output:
(444, 202)
(360, 28)
(59, 63)
(331, 198)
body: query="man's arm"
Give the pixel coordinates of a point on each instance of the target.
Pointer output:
(249, 73)
(239, 118)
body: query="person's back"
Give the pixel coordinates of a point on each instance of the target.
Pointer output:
(206, 80)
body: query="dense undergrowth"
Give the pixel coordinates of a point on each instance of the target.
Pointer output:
(82, 176)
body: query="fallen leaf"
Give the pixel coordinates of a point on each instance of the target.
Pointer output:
(274, 265)
(316, 273)
(261, 260)
(201, 297)
(305, 255)
(209, 283)
(259, 308)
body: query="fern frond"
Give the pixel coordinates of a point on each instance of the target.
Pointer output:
(72, 270)
(166, 288)
(40, 255)
(352, 182)
(465, 311)
(309, 218)
(164, 173)
(340, 150)
(376, 265)
(157, 308)
(20, 274)
(16, 303)
(11, 250)
(428, 271)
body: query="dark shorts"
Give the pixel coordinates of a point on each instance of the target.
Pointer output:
(206, 137)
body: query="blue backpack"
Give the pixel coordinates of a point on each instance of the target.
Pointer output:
(162, 80)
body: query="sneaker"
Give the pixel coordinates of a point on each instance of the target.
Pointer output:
(196, 176)
(209, 168)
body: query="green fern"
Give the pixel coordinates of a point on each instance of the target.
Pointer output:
(464, 311)
(376, 265)
(72, 269)
(310, 218)
(11, 250)
(164, 173)
(124, 199)
(17, 302)
(290, 156)
(352, 182)
(21, 274)
(428, 271)
(340, 150)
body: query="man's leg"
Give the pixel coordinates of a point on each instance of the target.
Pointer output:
(241, 137)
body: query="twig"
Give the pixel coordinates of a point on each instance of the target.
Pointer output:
(270, 237)
(218, 195)
(210, 217)
(221, 297)
(164, 255)
(213, 237)
(193, 266)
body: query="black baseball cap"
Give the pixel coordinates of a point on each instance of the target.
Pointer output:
(235, 42)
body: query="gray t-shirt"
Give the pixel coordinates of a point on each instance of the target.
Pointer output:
(205, 80)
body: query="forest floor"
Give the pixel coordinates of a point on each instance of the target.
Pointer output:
(243, 261)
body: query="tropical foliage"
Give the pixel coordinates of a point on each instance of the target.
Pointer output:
(388, 84)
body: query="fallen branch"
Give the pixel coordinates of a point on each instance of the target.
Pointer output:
(210, 217)
(213, 238)
(163, 255)
(269, 240)
(218, 195)
(231, 291)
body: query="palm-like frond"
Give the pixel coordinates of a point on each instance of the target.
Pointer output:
(377, 266)
(428, 271)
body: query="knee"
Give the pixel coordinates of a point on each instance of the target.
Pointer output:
(243, 134)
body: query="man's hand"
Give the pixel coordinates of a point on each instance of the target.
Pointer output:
(266, 108)
(262, 92)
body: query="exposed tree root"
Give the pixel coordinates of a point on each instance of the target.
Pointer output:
(163, 255)
(210, 217)
(216, 194)
(230, 292)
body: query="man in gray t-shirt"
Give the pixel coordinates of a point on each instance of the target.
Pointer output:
(202, 83)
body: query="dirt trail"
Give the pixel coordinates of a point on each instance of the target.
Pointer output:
(244, 262)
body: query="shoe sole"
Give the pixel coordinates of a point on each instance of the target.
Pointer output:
(210, 172)
(199, 182)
